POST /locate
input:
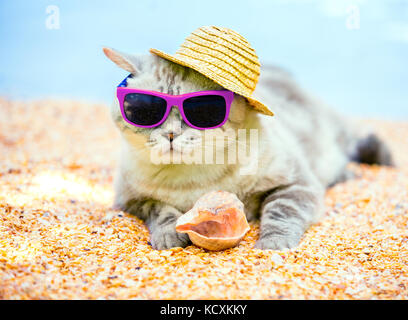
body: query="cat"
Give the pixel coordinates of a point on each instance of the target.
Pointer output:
(302, 150)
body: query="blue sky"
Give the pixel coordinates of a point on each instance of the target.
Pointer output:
(362, 71)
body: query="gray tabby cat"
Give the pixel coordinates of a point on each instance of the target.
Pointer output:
(303, 149)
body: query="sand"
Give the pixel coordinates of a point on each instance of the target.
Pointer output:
(60, 239)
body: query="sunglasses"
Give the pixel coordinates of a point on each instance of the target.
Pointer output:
(200, 110)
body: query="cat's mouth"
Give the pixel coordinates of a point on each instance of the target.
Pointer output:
(172, 149)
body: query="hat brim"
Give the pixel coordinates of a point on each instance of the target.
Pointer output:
(257, 105)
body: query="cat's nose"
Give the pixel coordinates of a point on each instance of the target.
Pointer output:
(170, 136)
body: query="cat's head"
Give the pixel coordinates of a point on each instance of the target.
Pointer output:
(150, 72)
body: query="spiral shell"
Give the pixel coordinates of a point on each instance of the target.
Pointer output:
(216, 222)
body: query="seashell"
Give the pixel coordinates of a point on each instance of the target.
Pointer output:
(216, 222)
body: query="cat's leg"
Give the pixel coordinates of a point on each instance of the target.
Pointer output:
(161, 222)
(287, 212)
(344, 176)
(160, 219)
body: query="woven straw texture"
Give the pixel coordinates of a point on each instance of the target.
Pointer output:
(225, 57)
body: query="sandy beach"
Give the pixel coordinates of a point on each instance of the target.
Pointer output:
(60, 238)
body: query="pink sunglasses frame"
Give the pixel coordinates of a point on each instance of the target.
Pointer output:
(173, 100)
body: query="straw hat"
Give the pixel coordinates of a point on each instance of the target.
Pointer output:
(225, 57)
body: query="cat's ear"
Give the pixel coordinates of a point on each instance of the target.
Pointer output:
(122, 60)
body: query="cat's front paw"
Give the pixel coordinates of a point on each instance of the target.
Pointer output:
(276, 242)
(162, 240)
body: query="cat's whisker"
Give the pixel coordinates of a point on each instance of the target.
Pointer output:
(240, 144)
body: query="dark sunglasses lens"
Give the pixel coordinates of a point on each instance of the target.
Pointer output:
(205, 111)
(143, 109)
